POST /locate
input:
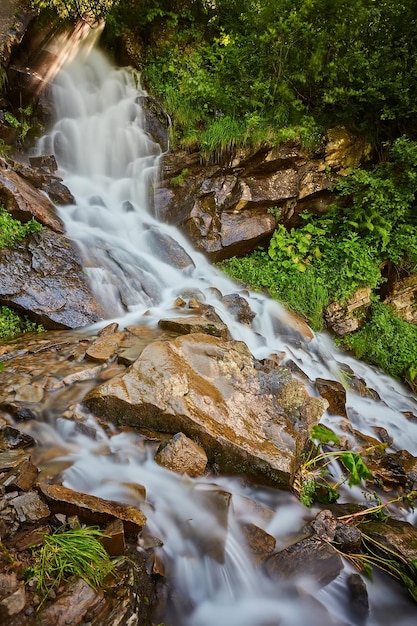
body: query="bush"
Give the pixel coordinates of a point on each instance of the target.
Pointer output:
(386, 341)
(12, 230)
(12, 324)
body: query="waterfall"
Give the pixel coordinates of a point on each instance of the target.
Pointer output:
(110, 165)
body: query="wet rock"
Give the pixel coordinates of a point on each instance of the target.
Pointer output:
(23, 201)
(259, 542)
(23, 477)
(248, 420)
(42, 175)
(394, 535)
(71, 607)
(11, 438)
(194, 324)
(347, 538)
(92, 509)
(309, 557)
(30, 508)
(358, 596)
(168, 250)
(12, 458)
(324, 525)
(105, 347)
(42, 277)
(346, 317)
(29, 393)
(182, 455)
(334, 393)
(239, 308)
(113, 540)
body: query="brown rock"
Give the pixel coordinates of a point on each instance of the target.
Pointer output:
(210, 389)
(23, 201)
(22, 477)
(259, 542)
(12, 459)
(343, 318)
(334, 393)
(194, 324)
(92, 509)
(182, 455)
(71, 606)
(114, 538)
(104, 347)
(30, 508)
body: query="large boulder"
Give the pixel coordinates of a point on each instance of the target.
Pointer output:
(42, 277)
(249, 419)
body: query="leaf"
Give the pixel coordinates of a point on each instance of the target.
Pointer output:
(324, 434)
(356, 466)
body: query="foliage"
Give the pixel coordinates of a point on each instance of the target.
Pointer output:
(75, 9)
(20, 123)
(273, 62)
(314, 482)
(75, 552)
(386, 341)
(12, 230)
(12, 324)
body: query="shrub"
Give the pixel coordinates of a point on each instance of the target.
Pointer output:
(386, 341)
(12, 230)
(12, 324)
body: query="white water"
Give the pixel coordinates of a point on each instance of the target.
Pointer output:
(110, 165)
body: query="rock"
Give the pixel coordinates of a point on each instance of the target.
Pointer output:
(394, 535)
(113, 540)
(239, 308)
(30, 508)
(23, 477)
(104, 347)
(182, 455)
(343, 150)
(309, 557)
(346, 317)
(41, 276)
(12, 438)
(12, 458)
(259, 542)
(92, 509)
(334, 393)
(71, 606)
(248, 420)
(402, 297)
(324, 525)
(194, 324)
(167, 250)
(347, 538)
(358, 596)
(23, 201)
(12, 596)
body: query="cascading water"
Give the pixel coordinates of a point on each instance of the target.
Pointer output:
(110, 166)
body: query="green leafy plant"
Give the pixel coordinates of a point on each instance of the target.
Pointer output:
(314, 482)
(74, 9)
(75, 552)
(12, 324)
(178, 181)
(12, 230)
(20, 123)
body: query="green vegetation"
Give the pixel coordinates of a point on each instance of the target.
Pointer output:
(75, 9)
(12, 230)
(386, 341)
(76, 552)
(270, 70)
(314, 482)
(12, 324)
(20, 123)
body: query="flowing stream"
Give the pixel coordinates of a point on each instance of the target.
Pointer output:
(110, 165)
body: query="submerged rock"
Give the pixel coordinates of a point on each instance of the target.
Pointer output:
(248, 420)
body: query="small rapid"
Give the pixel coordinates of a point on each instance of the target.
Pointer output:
(111, 167)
